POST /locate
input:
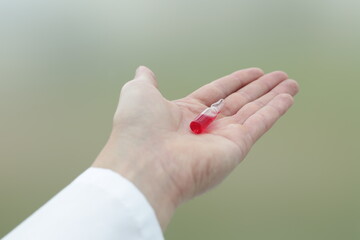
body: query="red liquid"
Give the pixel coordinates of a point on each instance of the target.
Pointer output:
(201, 123)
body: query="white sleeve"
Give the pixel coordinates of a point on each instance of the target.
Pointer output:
(99, 204)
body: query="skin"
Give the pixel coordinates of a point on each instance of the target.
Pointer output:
(152, 146)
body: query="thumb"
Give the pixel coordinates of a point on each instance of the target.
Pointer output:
(145, 74)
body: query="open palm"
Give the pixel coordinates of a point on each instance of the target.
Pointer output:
(253, 102)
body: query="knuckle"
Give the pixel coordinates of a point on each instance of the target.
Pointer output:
(133, 87)
(130, 84)
(286, 97)
(294, 85)
(280, 74)
(256, 71)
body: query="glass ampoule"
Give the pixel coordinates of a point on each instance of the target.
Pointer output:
(203, 120)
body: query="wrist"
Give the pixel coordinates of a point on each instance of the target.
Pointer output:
(156, 191)
(141, 168)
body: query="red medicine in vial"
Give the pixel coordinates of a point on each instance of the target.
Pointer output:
(203, 120)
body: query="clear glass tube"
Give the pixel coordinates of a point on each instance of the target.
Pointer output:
(204, 119)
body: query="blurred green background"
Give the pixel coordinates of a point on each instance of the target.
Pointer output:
(62, 64)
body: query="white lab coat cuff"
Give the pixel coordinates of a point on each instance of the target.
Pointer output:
(99, 204)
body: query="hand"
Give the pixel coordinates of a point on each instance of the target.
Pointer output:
(152, 145)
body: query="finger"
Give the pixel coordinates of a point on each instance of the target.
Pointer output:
(288, 86)
(143, 82)
(252, 91)
(224, 86)
(146, 75)
(261, 121)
